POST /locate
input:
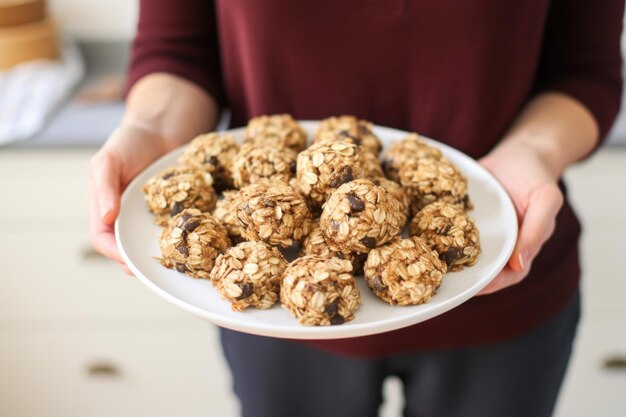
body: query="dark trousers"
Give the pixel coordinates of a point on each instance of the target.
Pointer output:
(520, 377)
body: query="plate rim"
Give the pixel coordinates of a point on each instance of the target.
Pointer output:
(324, 332)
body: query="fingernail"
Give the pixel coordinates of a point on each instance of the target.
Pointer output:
(520, 258)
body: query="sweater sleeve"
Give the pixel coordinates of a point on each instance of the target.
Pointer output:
(178, 37)
(581, 56)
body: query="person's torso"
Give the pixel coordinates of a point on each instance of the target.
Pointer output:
(455, 71)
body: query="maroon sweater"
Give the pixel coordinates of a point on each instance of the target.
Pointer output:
(457, 71)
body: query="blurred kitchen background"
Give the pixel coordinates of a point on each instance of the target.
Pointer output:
(80, 338)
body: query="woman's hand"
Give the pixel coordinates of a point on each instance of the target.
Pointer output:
(127, 151)
(551, 132)
(163, 111)
(532, 186)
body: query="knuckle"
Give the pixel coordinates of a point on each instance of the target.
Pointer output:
(100, 159)
(555, 193)
(101, 248)
(97, 245)
(550, 194)
(94, 167)
(560, 198)
(96, 160)
(551, 229)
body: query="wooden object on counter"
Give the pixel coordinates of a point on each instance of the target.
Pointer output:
(28, 42)
(20, 12)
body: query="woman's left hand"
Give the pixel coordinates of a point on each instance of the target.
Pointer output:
(533, 188)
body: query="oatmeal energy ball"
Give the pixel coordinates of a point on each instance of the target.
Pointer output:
(359, 216)
(371, 166)
(191, 242)
(450, 231)
(226, 213)
(214, 153)
(256, 162)
(315, 244)
(320, 291)
(408, 149)
(404, 272)
(429, 180)
(272, 212)
(348, 128)
(325, 166)
(249, 274)
(176, 189)
(395, 190)
(279, 130)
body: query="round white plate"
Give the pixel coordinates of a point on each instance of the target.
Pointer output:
(137, 234)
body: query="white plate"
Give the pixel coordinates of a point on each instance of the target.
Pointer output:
(494, 214)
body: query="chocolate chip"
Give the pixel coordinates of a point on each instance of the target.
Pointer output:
(269, 203)
(356, 204)
(293, 167)
(363, 129)
(246, 291)
(386, 164)
(444, 230)
(181, 268)
(191, 226)
(332, 308)
(359, 262)
(167, 176)
(379, 285)
(338, 319)
(369, 242)
(176, 208)
(344, 176)
(452, 255)
(184, 218)
(355, 139)
(212, 160)
(245, 206)
(219, 181)
(465, 200)
(182, 248)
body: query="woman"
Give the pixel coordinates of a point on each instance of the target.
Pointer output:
(526, 87)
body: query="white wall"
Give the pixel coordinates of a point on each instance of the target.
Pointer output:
(618, 134)
(96, 19)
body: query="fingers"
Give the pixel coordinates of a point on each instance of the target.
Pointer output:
(126, 152)
(539, 222)
(519, 258)
(102, 235)
(537, 225)
(104, 242)
(506, 278)
(105, 178)
(127, 269)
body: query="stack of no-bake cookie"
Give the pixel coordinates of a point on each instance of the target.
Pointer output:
(228, 210)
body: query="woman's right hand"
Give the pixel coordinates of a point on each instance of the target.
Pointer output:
(127, 152)
(155, 106)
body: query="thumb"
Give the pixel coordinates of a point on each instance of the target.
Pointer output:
(537, 225)
(105, 173)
